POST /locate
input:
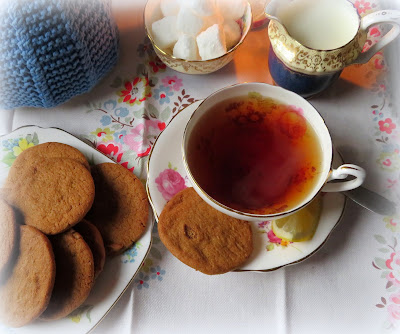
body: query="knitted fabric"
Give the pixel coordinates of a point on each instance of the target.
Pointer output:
(52, 50)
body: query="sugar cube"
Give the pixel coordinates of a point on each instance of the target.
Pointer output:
(188, 22)
(231, 9)
(186, 48)
(232, 33)
(211, 20)
(170, 7)
(201, 7)
(164, 32)
(211, 42)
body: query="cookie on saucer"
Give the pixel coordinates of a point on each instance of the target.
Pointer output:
(52, 194)
(26, 293)
(202, 237)
(74, 274)
(120, 210)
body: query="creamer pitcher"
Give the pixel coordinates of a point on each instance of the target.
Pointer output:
(313, 41)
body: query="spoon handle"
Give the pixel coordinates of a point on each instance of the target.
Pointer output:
(372, 201)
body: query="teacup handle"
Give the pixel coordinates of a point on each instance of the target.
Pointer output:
(384, 16)
(341, 173)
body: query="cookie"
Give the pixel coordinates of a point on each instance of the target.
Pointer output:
(120, 210)
(74, 274)
(26, 293)
(47, 151)
(8, 234)
(202, 237)
(93, 238)
(52, 194)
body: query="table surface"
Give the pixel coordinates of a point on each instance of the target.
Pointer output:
(351, 285)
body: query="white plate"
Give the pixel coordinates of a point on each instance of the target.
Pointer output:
(166, 176)
(118, 271)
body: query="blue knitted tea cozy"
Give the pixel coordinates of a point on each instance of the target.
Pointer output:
(52, 50)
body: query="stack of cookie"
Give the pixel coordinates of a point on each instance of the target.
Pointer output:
(51, 254)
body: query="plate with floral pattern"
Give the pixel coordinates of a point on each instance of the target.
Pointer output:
(118, 272)
(166, 177)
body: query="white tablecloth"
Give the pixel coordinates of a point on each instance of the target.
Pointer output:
(352, 285)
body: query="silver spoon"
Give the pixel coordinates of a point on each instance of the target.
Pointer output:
(372, 201)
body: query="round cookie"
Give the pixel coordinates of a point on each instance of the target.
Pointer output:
(52, 194)
(74, 274)
(26, 293)
(93, 238)
(47, 151)
(120, 210)
(8, 234)
(202, 237)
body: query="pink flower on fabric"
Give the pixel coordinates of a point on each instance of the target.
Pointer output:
(387, 125)
(395, 298)
(174, 82)
(141, 137)
(394, 259)
(157, 65)
(135, 140)
(393, 263)
(394, 313)
(273, 238)
(379, 63)
(362, 6)
(376, 32)
(169, 183)
(114, 151)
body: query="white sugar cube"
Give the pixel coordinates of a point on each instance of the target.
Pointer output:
(211, 42)
(188, 22)
(211, 20)
(232, 33)
(164, 32)
(186, 48)
(170, 7)
(201, 7)
(231, 9)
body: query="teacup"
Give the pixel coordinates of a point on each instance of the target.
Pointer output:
(313, 41)
(258, 152)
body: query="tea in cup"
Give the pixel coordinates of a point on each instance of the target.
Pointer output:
(256, 152)
(313, 41)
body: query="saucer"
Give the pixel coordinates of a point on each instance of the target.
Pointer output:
(167, 176)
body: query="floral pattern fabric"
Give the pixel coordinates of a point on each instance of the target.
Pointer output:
(128, 126)
(387, 138)
(142, 103)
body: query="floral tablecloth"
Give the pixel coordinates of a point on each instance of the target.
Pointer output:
(352, 285)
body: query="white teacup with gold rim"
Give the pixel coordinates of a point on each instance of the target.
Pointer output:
(313, 41)
(259, 152)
